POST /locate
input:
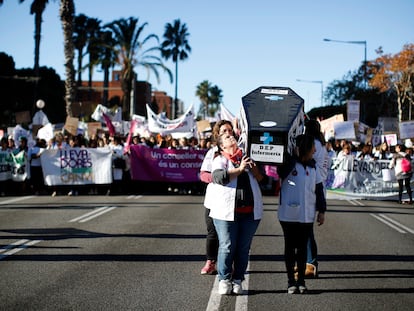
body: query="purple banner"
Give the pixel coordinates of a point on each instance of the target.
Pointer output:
(166, 165)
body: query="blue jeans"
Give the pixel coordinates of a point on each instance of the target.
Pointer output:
(312, 251)
(235, 238)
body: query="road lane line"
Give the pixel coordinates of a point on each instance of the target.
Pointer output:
(87, 214)
(12, 245)
(17, 199)
(18, 249)
(397, 223)
(388, 223)
(108, 209)
(215, 297)
(241, 300)
(355, 202)
(134, 197)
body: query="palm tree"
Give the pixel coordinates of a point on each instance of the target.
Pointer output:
(67, 13)
(94, 46)
(210, 96)
(107, 59)
(80, 38)
(130, 52)
(175, 46)
(37, 8)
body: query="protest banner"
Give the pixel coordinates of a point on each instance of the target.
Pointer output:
(345, 130)
(5, 167)
(352, 109)
(77, 166)
(165, 165)
(164, 126)
(362, 178)
(71, 125)
(19, 166)
(406, 129)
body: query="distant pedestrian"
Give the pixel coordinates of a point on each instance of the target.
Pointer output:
(401, 162)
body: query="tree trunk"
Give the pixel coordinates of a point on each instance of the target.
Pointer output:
(37, 36)
(176, 92)
(67, 13)
(106, 85)
(126, 100)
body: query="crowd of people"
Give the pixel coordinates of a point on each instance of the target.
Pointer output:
(120, 172)
(343, 150)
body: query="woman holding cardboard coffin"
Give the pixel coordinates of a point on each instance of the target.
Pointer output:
(301, 196)
(236, 206)
(220, 128)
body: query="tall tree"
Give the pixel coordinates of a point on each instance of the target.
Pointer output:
(80, 39)
(396, 72)
(107, 59)
(210, 97)
(94, 46)
(67, 14)
(37, 8)
(127, 34)
(175, 46)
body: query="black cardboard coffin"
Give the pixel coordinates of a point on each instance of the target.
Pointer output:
(270, 119)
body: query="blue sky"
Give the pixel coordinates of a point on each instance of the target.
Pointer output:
(236, 45)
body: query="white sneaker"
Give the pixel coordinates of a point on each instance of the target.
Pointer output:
(237, 287)
(224, 287)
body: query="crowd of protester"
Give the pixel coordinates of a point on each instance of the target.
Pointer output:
(122, 183)
(366, 151)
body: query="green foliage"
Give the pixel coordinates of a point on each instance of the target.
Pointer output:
(21, 89)
(210, 97)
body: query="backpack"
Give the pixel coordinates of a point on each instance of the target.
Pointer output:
(406, 165)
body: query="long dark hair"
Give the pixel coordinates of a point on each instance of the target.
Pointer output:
(304, 144)
(313, 128)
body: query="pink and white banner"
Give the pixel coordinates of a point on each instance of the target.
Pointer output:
(165, 165)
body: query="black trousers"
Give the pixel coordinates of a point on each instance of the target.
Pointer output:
(212, 238)
(401, 183)
(296, 241)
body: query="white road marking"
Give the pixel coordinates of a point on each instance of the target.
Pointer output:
(241, 300)
(393, 223)
(356, 202)
(215, 297)
(16, 200)
(22, 245)
(93, 214)
(17, 243)
(134, 197)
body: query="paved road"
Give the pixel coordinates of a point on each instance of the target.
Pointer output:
(146, 252)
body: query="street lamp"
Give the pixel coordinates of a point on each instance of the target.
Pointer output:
(314, 81)
(365, 53)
